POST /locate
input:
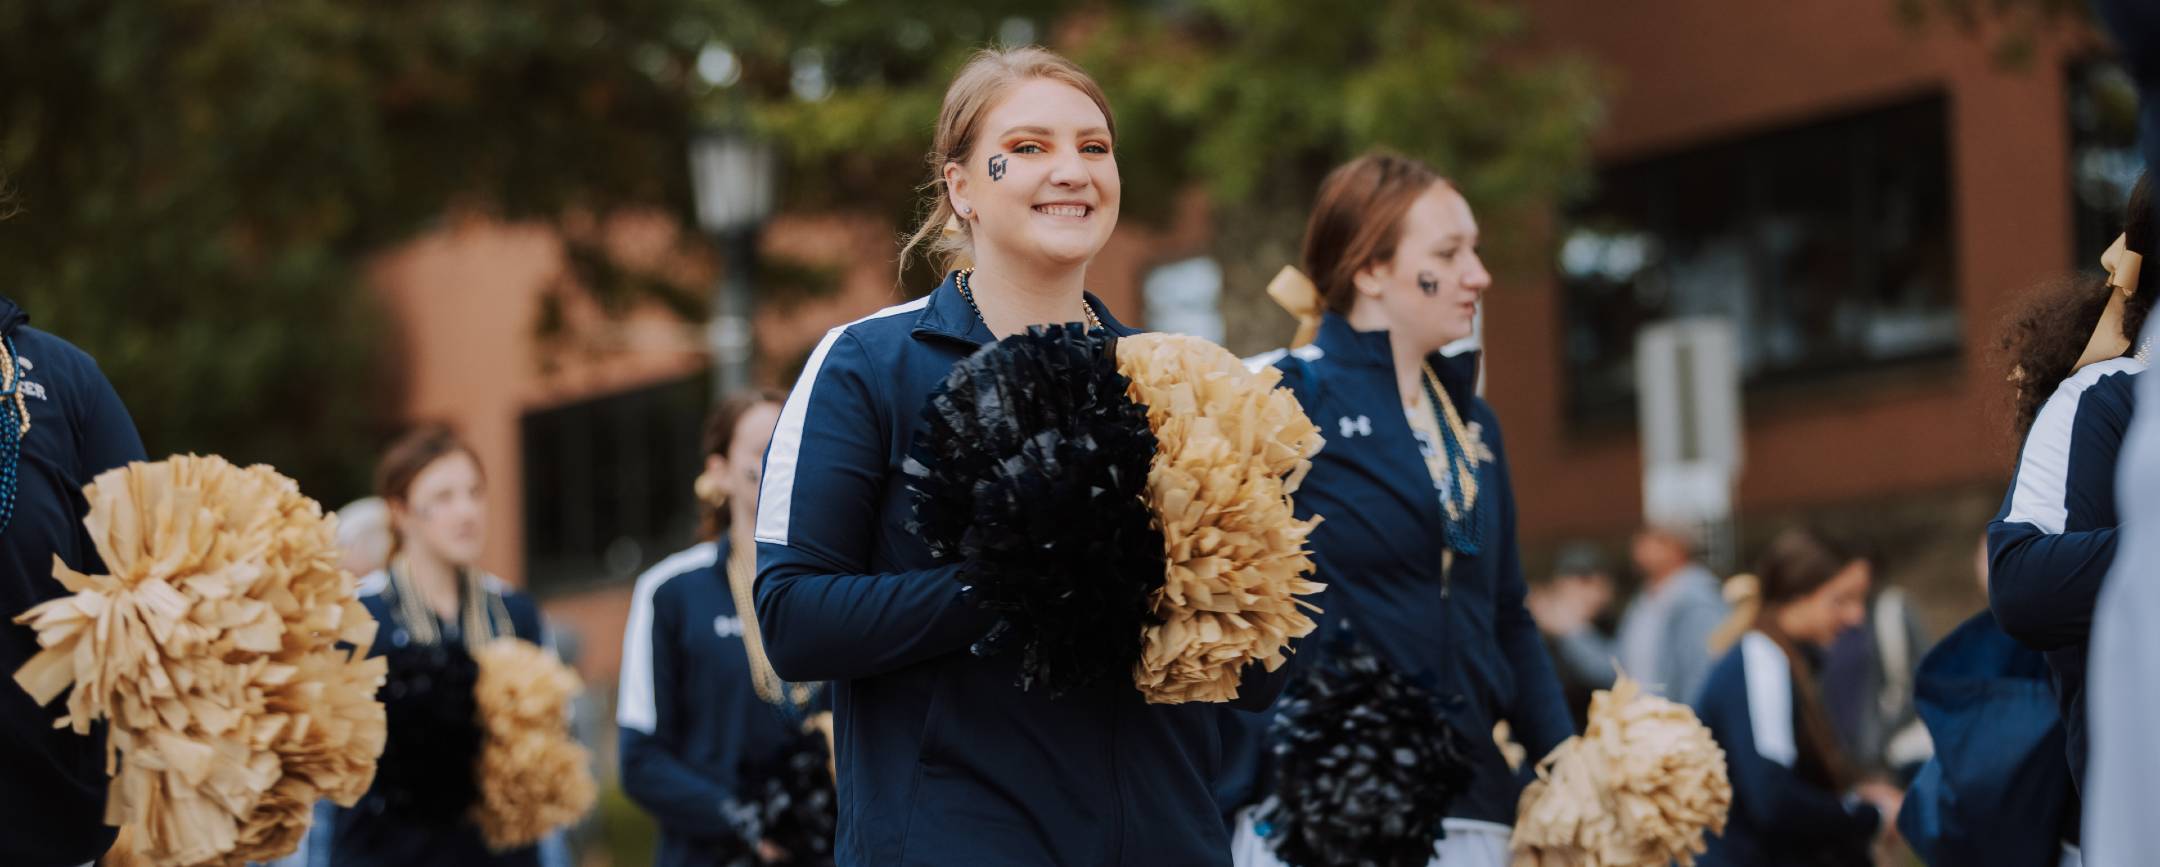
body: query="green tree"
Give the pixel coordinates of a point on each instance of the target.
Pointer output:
(200, 183)
(2012, 28)
(1254, 100)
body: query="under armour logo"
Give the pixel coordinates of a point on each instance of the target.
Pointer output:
(1361, 427)
(728, 627)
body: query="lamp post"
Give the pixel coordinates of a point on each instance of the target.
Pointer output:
(732, 173)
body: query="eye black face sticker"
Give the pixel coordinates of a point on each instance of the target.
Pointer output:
(1428, 283)
(997, 167)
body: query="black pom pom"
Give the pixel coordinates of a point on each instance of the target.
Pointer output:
(433, 735)
(1366, 767)
(1033, 471)
(797, 809)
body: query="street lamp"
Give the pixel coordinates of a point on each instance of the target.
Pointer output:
(732, 173)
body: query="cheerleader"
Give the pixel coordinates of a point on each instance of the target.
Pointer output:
(698, 699)
(2050, 547)
(431, 596)
(942, 759)
(1763, 703)
(61, 424)
(1418, 542)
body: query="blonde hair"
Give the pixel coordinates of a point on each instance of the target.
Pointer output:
(975, 89)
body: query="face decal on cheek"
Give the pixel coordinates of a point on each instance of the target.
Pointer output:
(1428, 284)
(997, 167)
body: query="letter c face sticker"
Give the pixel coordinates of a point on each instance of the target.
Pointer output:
(997, 167)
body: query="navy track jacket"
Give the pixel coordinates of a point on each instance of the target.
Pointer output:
(52, 788)
(942, 759)
(367, 836)
(688, 712)
(1379, 552)
(2050, 548)
(1778, 819)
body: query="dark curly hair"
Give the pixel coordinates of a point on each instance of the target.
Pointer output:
(2043, 338)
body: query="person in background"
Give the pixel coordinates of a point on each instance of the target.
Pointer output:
(698, 701)
(1573, 600)
(1793, 788)
(1664, 638)
(1418, 545)
(1868, 688)
(1996, 793)
(2050, 548)
(432, 593)
(363, 536)
(2126, 650)
(61, 424)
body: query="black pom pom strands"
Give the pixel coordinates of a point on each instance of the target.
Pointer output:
(433, 734)
(1033, 471)
(1366, 767)
(797, 810)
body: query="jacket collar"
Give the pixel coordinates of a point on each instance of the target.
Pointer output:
(12, 316)
(949, 316)
(1339, 341)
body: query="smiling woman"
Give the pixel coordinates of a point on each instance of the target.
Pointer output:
(941, 758)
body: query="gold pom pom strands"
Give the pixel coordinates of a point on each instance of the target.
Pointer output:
(534, 778)
(222, 650)
(1639, 787)
(1231, 448)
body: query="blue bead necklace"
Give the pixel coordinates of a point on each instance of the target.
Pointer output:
(14, 427)
(1465, 534)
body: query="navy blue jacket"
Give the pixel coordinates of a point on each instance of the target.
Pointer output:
(52, 793)
(688, 711)
(1379, 548)
(364, 835)
(1778, 819)
(942, 759)
(1996, 793)
(2052, 544)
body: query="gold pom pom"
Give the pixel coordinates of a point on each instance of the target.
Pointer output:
(212, 649)
(1639, 787)
(1231, 449)
(533, 777)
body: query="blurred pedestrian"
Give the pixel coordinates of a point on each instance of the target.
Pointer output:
(1996, 792)
(1762, 701)
(699, 703)
(433, 602)
(1664, 637)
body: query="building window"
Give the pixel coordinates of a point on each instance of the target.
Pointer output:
(2104, 158)
(1828, 246)
(1184, 297)
(607, 483)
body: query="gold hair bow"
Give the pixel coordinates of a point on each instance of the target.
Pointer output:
(1297, 294)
